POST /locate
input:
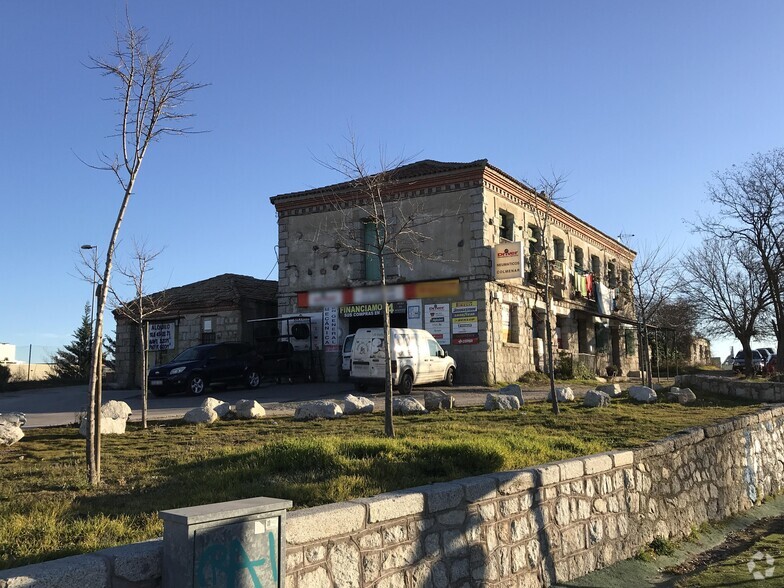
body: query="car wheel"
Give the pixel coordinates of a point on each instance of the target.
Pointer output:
(254, 379)
(450, 377)
(406, 384)
(196, 386)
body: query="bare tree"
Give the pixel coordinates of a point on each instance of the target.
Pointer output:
(656, 279)
(544, 198)
(729, 290)
(141, 308)
(150, 97)
(378, 221)
(750, 199)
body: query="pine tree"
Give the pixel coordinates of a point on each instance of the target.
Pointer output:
(72, 362)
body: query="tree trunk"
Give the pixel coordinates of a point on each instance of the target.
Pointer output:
(389, 427)
(143, 352)
(549, 335)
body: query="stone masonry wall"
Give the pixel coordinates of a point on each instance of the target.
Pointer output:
(526, 528)
(760, 391)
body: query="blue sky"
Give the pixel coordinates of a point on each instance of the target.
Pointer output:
(638, 102)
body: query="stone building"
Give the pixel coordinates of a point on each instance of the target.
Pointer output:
(209, 311)
(699, 352)
(472, 218)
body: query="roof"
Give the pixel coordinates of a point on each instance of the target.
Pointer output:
(226, 290)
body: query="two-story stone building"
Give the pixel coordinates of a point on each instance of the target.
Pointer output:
(466, 215)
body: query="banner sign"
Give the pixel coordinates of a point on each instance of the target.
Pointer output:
(508, 261)
(414, 316)
(437, 322)
(331, 336)
(375, 294)
(354, 310)
(160, 336)
(465, 322)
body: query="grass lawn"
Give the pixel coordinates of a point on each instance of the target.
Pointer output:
(48, 511)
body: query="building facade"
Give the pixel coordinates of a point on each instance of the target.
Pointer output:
(454, 273)
(209, 311)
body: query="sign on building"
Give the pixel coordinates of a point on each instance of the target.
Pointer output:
(437, 322)
(331, 335)
(508, 260)
(160, 336)
(465, 322)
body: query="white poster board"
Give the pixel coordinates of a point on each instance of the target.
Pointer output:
(160, 336)
(437, 322)
(414, 314)
(508, 260)
(331, 331)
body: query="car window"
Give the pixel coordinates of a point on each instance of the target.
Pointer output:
(192, 354)
(434, 348)
(348, 344)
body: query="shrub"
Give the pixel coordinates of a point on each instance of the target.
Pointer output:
(533, 378)
(5, 377)
(662, 546)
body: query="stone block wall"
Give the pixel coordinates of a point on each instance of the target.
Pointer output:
(526, 528)
(759, 391)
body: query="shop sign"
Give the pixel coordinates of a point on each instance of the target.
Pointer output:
(357, 310)
(437, 322)
(414, 314)
(508, 261)
(331, 336)
(160, 336)
(465, 322)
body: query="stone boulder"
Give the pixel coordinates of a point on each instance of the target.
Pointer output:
(596, 398)
(200, 415)
(357, 405)
(221, 408)
(513, 390)
(407, 405)
(10, 433)
(612, 390)
(681, 395)
(562, 394)
(17, 419)
(502, 402)
(438, 400)
(318, 409)
(249, 409)
(114, 418)
(642, 394)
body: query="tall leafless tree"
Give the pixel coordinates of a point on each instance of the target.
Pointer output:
(378, 221)
(141, 307)
(729, 290)
(750, 201)
(656, 279)
(547, 194)
(150, 96)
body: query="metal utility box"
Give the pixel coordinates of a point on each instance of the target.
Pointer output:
(233, 544)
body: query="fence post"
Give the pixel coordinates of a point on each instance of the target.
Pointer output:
(29, 360)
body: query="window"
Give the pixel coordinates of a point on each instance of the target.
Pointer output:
(208, 329)
(625, 278)
(602, 335)
(579, 258)
(534, 239)
(434, 348)
(630, 340)
(506, 228)
(612, 280)
(559, 249)
(510, 328)
(372, 257)
(596, 267)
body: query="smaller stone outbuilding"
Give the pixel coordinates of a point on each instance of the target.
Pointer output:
(209, 311)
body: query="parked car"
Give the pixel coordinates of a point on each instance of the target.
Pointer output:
(757, 361)
(417, 358)
(766, 353)
(197, 368)
(770, 367)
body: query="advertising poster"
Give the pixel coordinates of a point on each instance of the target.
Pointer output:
(331, 334)
(160, 336)
(414, 314)
(508, 261)
(465, 322)
(437, 322)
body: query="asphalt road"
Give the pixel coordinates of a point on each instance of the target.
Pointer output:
(62, 406)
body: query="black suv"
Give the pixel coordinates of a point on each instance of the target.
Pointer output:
(757, 361)
(196, 368)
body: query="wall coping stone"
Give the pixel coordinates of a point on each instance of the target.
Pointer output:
(548, 474)
(442, 496)
(392, 505)
(319, 522)
(85, 571)
(571, 469)
(479, 488)
(622, 457)
(516, 481)
(136, 562)
(594, 464)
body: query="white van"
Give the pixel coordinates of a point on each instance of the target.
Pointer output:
(416, 356)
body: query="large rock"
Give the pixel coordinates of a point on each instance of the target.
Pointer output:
(596, 398)
(201, 415)
(221, 408)
(10, 433)
(407, 405)
(513, 390)
(642, 394)
(502, 402)
(357, 405)
(17, 419)
(439, 400)
(318, 409)
(562, 394)
(114, 418)
(612, 390)
(249, 409)
(681, 395)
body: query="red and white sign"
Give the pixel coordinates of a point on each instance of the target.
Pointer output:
(508, 260)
